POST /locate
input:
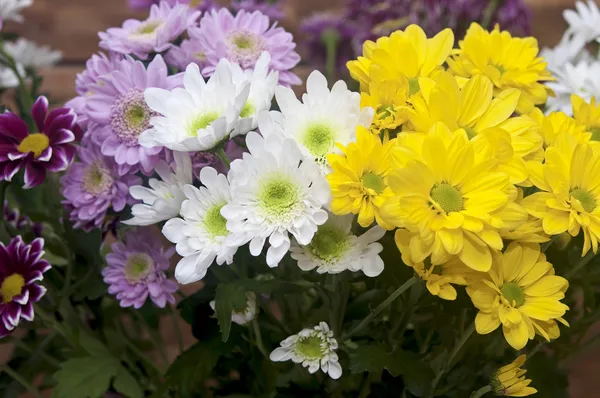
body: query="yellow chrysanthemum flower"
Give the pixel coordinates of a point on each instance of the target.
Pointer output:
(529, 232)
(519, 291)
(454, 205)
(359, 178)
(570, 181)
(406, 53)
(438, 278)
(388, 99)
(510, 62)
(510, 381)
(588, 115)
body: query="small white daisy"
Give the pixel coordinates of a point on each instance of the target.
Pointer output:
(323, 118)
(262, 88)
(565, 52)
(163, 199)
(27, 53)
(581, 79)
(334, 249)
(11, 9)
(200, 236)
(198, 116)
(313, 348)
(584, 23)
(275, 193)
(245, 316)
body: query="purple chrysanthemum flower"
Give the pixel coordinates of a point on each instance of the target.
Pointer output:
(202, 5)
(92, 185)
(13, 217)
(50, 148)
(242, 38)
(155, 34)
(139, 5)
(270, 9)
(119, 111)
(136, 270)
(98, 65)
(189, 51)
(21, 266)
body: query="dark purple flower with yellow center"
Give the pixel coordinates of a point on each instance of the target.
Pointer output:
(50, 148)
(21, 266)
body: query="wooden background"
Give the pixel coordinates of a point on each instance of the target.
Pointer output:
(72, 25)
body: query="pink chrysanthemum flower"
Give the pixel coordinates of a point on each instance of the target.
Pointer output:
(155, 34)
(120, 114)
(136, 270)
(242, 38)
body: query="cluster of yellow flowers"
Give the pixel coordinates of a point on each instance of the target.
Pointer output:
(472, 176)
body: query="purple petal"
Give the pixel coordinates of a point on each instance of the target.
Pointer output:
(39, 111)
(13, 127)
(34, 175)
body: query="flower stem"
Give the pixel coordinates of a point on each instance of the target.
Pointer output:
(381, 307)
(481, 392)
(546, 245)
(258, 337)
(330, 39)
(448, 365)
(176, 328)
(582, 263)
(488, 14)
(222, 155)
(19, 379)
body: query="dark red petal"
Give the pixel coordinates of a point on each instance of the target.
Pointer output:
(39, 110)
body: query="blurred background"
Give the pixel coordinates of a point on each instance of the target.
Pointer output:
(72, 27)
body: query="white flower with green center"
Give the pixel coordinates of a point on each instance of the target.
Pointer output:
(202, 233)
(323, 118)
(313, 348)
(199, 116)
(163, 199)
(262, 88)
(275, 193)
(334, 249)
(245, 316)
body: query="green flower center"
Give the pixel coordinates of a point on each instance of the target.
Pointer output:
(138, 266)
(513, 293)
(448, 197)
(319, 138)
(500, 68)
(148, 28)
(201, 122)
(36, 143)
(248, 110)
(97, 179)
(136, 115)
(470, 132)
(413, 86)
(585, 198)
(279, 198)
(374, 182)
(214, 223)
(329, 243)
(11, 287)
(310, 347)
(595, 133)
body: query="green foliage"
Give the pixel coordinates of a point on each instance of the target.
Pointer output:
(229, 298)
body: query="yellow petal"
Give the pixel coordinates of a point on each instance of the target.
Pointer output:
(486, 322)
(500, 109)
(516, 335)
(475, 255)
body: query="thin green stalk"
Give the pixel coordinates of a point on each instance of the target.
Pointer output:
(142, 356)
(51, 322)
(258, 337)
(223, 157)
(546, 245)
(582, 263)
(39, 351)
(330, 39)
(176, 328)
(152, 334)
(481, 392)
(381, 307)
(535, 350)
(19, 379)
(489, 13)
(448, 365)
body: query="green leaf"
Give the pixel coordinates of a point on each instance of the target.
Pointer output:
(229, 298)
(370, 358)
(126, 384)
(272, 286)
(84, 377)
(93, 346)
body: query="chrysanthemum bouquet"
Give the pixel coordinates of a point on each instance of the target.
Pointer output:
(423, 237)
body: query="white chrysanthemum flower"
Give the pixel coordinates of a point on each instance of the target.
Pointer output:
(334, 249)
(11, 9)
(8, 78)
(163, 199)
(200, 236)
(313, 348)
(247, 315)
(584, 23)
(565, 52)
(198, 116)
(581, 79)
(27, 53)
(275, 193)
(323, 118)
(262, 88)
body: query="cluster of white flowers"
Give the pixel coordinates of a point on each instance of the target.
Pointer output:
(576, 69)
(275, 198)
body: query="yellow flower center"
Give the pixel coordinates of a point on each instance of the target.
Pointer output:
(595, 133)
(319, 138)
(448, 197)
(248, 110)
(413, 86)
(36, 143)
(201, 122)
(310, 347)
(513, 293)
(500, 68)
(138, 266)
(214, 223)
(374, 182)
(11, 287)
(585, 198)
(470, 132)
(148, 28)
